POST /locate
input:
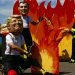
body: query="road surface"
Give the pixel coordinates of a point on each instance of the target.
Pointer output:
(66, 68)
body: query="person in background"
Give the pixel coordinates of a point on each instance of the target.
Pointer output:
(24, 9)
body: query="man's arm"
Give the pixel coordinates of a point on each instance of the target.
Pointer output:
(37, 22)
(18, 48)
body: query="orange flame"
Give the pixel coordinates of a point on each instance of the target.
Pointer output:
(44, 36)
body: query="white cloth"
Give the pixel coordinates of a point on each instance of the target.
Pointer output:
(17, 40)
(26, 21)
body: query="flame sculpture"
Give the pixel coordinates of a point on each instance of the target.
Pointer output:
(44, 35)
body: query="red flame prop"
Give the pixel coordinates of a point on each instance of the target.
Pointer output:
(43, 35)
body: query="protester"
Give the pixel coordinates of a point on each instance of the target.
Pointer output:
(24, 9)
(14, 46)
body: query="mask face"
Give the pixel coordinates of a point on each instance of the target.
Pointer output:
(24, 8)
(16, 26)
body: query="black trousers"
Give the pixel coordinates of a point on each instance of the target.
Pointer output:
(27, 36)
(13, 61)
(73, 49)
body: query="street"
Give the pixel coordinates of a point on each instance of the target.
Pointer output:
(66, 68)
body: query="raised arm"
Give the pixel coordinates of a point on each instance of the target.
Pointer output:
(37, 22)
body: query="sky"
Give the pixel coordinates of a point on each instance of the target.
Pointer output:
(6, 7)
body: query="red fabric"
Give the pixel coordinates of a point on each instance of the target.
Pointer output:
(12, 72)
(41, 9)
(59, 9)
(15, 8)
(5, 33)
(70, 11)
(69, 8)
(49, 11)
